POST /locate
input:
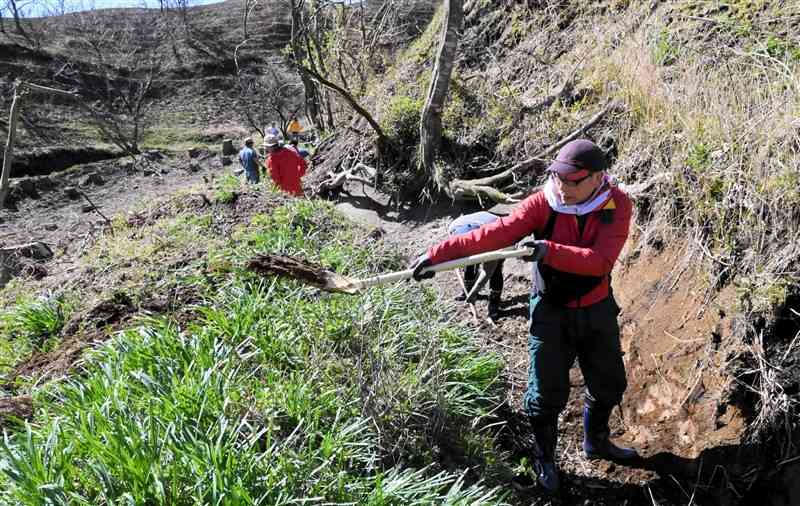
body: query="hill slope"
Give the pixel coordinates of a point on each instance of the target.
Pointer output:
(707, 100)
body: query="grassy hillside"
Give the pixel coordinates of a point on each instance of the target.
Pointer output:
(247, 390)
(194, 96)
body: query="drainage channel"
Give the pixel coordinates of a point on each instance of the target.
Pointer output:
(44, 161)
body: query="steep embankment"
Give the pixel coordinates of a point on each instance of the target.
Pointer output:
(706, 127)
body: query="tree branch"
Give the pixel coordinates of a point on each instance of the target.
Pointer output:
(537, 160)
(337, 180)
(382, 139)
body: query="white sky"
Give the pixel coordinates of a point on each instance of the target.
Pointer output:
(35, 8)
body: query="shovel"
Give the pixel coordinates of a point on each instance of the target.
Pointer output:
(332, 282)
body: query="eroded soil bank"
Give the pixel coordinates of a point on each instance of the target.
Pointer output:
(43, 161)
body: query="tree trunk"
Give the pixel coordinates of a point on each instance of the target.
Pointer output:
(9, 153)
(430, 127)
(313, 99)
(245, 8)
(17, 22)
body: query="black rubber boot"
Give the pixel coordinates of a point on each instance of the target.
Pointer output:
(596, 444)
(494, 304)
(544, 462)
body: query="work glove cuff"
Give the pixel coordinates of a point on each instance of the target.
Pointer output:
(539, 248)
(419, 264)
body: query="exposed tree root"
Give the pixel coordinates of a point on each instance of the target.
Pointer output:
(465, 190)
(359, 173)
(477, 189)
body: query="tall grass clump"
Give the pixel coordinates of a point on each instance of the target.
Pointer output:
(272, 394)
(33, 323)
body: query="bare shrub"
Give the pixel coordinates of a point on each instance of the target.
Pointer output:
(268, 93)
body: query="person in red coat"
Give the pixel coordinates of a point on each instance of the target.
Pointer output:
(580, 222)
(285, 166)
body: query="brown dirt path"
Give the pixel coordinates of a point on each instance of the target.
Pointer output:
(69, 225)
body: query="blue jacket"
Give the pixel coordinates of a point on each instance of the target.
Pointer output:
(248, 158)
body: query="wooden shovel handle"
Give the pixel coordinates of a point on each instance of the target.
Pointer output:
(444, 266)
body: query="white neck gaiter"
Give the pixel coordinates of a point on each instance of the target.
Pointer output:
(598, 198)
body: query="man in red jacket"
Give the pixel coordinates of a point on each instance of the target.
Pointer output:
(580, 222)
(285, 166)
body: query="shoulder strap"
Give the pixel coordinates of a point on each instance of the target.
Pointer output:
(607, 212)
(551, 224)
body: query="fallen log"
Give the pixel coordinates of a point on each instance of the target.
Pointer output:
(36, 250)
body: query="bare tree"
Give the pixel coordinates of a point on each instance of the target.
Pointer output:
(247, 10)
(8, 153)
(430, 128)
(269, 93)
(22, 27)
(55, 8)
(333, 47)
(116, 71)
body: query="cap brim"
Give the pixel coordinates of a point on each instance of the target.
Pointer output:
(567, 169)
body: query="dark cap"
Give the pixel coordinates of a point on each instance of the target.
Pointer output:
(578, 155)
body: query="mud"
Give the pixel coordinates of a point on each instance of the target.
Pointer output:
(13, 409)
(82, 331)
(97, 325)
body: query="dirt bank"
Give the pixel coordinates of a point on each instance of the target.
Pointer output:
(43, 161)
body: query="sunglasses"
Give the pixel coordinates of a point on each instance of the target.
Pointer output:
(570, 182)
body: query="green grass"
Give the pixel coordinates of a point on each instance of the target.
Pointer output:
(172, 137)
(272, 394)
(227, 189)
(33, 322)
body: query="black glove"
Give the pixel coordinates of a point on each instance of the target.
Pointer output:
(420, 263)
(539, 250)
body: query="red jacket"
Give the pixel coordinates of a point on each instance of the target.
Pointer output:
(592, 253)
(286, 168)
